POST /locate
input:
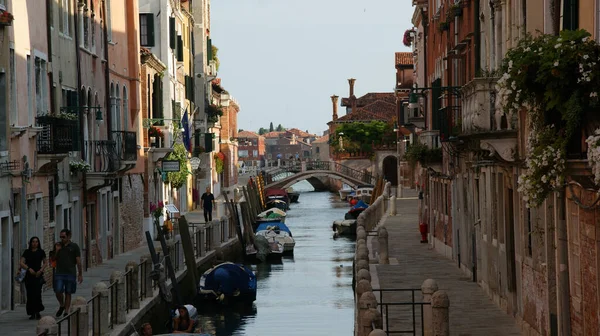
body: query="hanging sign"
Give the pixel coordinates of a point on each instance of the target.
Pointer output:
(170, 166)
(195, 163)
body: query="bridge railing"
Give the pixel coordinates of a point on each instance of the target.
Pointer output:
(294, 167)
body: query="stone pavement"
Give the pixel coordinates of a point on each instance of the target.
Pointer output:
(472, 313)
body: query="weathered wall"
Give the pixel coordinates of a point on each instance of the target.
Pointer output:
(132, 212)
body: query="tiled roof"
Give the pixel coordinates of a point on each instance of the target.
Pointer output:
(247, 134)
(323, 139)
(378, 110)
(274, 134)
(404, 58)
(299, 133)
(370, 98)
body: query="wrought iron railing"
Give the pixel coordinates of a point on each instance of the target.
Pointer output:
(58, 135)
(101, 156)
(415, 311)
(67, 319)
(126, 145)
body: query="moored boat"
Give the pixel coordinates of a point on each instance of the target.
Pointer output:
(227, 283)
(279, 233)
(278, 204)
(345, 193)
(356, 210)
(346, 227)
(262, 250)
(278, 195)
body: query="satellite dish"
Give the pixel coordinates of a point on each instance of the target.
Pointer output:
(195, 163)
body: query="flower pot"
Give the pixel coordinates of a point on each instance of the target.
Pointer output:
(5, 23)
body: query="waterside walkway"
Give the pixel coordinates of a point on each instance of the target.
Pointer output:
(472, 313)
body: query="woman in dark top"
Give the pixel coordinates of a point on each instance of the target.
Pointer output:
(33, 261)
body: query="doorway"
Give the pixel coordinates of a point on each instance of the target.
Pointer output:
(5, 261)
(390, 169)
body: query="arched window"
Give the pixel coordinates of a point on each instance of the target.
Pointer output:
(118, 109)
(113, 107)
(125, 110)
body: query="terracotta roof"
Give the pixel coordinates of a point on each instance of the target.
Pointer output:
(378, 110)
(274, 134)
(247, 134)
(299, 132)
(371, 97)
(323, 139)
(404, 58)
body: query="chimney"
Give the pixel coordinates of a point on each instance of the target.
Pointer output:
(351, 82)
(334, 101)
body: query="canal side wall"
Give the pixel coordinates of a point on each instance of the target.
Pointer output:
(227, 247)
(366, 314)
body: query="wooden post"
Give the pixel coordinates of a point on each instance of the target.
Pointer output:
(188, 252)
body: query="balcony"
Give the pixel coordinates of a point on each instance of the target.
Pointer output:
(56, 138)
(484, 120)
(126, 148)
(109, 157)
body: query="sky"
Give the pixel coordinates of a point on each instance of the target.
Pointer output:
(283, 59)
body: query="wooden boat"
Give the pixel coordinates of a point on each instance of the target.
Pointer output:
(345, 193)
(227, 283)
(356, 210)
(364, 192)
(277, 195)
(264, 251)
(279, 204)
(277, 232)
(292, 195)
(346, 227)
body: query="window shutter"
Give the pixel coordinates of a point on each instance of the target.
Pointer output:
(189, 88)
(150, 30)
(209, 54)
(179, 48)
(172, 33)
(208, 142)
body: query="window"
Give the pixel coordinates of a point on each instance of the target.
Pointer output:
(125, 109)
(51, 201)
(3, 114)
(147, 30)
(14, 116)
(255, 153)
(86, 26)
(529, 233)
(179, 49)
(243, 153)
(92, 26)
(108, 21)
(29, 93)
(40, 86)
(65, 17)
(69, 97)
(172, 33)
(317, 150)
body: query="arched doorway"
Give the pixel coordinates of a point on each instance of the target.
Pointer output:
(390, 169)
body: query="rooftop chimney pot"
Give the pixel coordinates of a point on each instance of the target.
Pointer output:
(351, 82)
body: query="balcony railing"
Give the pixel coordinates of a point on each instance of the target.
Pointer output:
(58, 135)
(126, 145)
(102, 156)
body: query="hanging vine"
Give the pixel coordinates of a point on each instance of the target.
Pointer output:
(178, 179)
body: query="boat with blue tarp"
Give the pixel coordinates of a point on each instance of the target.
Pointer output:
(228, 283)
(277, 232)
(356, 210)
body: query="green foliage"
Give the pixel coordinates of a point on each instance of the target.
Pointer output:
(178, 179)
(360, 136)
(262, 131)
(280, 128)
(271, 128)
(557, 79)
(418, 152)
(215, 50)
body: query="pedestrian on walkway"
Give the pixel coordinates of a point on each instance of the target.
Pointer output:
(68, 263)
(208, 200)
(33, 261)
(146, 329)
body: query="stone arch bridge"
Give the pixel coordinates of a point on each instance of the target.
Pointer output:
(291, 172)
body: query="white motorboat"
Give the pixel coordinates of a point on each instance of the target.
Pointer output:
(277, 232)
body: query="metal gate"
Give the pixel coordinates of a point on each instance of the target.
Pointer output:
(412, 310)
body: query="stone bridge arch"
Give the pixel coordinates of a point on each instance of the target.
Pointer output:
(315, 173)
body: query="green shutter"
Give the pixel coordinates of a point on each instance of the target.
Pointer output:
(150, 29)
(189, 88)
(208, 142)
(436, 92)
(570, 14)
(209, 54)
(172, 33)
(179, 48)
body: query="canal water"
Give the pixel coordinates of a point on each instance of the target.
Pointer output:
(309, 293)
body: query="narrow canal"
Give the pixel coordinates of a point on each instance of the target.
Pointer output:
(309, 293)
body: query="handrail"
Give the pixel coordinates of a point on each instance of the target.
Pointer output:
(68, 319)
(412, 303)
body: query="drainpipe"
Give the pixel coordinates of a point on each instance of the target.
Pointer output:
(477, 39)
(107, 75)
(425, 21)
(82, 143)
(562, 258)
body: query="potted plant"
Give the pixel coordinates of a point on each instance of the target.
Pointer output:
(157, 211)
(454, 10)
(79, 166)
(444, 25)
(155, 133)
(408, 39)
(6, 18)
(219, 162)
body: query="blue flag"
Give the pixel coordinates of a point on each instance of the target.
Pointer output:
(185, 124)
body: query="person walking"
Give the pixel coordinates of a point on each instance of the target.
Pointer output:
(207, 202)
(68, 263)
(33, 261)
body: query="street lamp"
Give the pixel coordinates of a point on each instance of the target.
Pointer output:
(413, 100)
(99, 119)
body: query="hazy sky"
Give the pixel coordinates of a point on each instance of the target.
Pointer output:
(283, 59)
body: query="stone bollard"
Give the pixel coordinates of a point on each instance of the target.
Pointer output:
(362, 264)
(80, 322)
(100, 309)
(360, 222)
(362, 287)
(48, 325)
(440, 313)
(146, 283)
(393, 206)
(382, 238)
(377, 332)
(371, 318)
(361, 233)
(362, 254)
(366, 301)
(361, 241)
(363, 274)
(428, 287)
(133, 284)
(119, 302)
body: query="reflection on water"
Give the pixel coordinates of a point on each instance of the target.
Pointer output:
(311, 292)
